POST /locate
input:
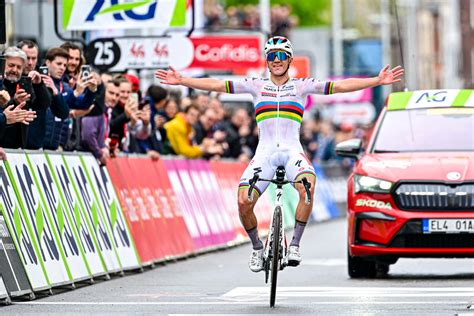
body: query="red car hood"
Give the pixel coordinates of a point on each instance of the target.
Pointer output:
(449, 166)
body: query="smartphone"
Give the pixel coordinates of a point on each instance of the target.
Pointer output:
(26, 84)
(86, 71)
(134, 97)
(44, 70)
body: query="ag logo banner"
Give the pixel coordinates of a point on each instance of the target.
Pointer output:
(61, 220)
(106, 197)
(95, 217)
(85, 233)
(123, 14)
(19, 231)
(42, 227)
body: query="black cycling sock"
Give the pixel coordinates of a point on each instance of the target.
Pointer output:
(299, 228)
(253, 235)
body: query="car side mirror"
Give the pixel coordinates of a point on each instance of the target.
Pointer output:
(349, 148)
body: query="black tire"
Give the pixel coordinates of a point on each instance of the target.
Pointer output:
(361, 268)
(275, 263)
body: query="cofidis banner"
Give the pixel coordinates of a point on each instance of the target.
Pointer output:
(123, 14)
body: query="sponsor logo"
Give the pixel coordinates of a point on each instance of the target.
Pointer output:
(287, 88)
(436, 97)
(119, 9)
(374, 204)
(269, 94)
(288, 95)
(269, 88)
(453, 176)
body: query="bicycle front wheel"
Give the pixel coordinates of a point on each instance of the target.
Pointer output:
(275, 265)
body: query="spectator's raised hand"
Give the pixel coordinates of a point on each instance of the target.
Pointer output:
(170, 76)
(49, 83)
(4, 98)
(160, 120)
(18, 114)
(21, 96)
(35, 77)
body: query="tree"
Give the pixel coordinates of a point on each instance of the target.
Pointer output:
(309, 13)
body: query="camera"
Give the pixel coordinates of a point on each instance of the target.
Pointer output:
(44, 70)
(86, 71)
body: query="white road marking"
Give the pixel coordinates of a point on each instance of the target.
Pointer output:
(324, 262)
(245, 293)
(244, 303)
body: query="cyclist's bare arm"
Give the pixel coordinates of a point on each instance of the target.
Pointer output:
(173, 77)
(386, 76)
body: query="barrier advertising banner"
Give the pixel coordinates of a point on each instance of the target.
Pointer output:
(68, 245)
(122, 14)
(83, 233)
(85, 196)
(198, 172)
(109, 205)
(208, 237)
(149, 214)
(39, 220)
(11, 268)
(122, 177)
(171, 210)
(20, 232)
(184, 205)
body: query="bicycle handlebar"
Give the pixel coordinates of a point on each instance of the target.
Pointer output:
(256, 178)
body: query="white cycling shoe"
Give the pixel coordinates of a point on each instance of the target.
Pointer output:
(294, 256)
(256, 260)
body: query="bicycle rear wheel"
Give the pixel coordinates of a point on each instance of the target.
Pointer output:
(275, 263)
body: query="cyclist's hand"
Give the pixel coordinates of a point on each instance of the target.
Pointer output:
(170, 76)
(387, 76)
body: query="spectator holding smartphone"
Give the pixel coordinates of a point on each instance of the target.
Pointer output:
(30, 90)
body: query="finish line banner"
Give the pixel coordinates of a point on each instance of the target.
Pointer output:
(122, 14)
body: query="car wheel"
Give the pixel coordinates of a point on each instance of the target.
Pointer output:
(360, 268)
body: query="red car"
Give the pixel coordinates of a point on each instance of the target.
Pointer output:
(411, 192)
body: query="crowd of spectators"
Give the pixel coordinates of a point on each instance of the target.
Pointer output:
(248, 17)
(64, 105)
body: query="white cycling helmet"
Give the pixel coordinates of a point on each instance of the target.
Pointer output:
(279, 43)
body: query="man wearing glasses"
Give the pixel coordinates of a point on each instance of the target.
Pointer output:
(279, 106)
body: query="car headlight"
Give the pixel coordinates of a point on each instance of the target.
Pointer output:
(369, 184)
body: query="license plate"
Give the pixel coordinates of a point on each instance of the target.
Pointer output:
(449, 226)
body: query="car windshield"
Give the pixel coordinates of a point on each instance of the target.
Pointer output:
(441, 129)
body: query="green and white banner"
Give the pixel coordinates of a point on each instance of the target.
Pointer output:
(83, 231)
(106, 198)
(86, 196)
(421, 99)
(123, 14)
(70, 248)
(38, 221)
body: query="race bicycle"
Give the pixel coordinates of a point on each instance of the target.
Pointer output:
(276, 247)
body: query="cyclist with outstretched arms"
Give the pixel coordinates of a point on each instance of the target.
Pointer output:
(279, 106)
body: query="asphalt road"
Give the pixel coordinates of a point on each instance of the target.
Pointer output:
(221, 283)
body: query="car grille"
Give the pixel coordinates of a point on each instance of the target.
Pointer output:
(433, 241)
(411, 236)
(434, 196)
